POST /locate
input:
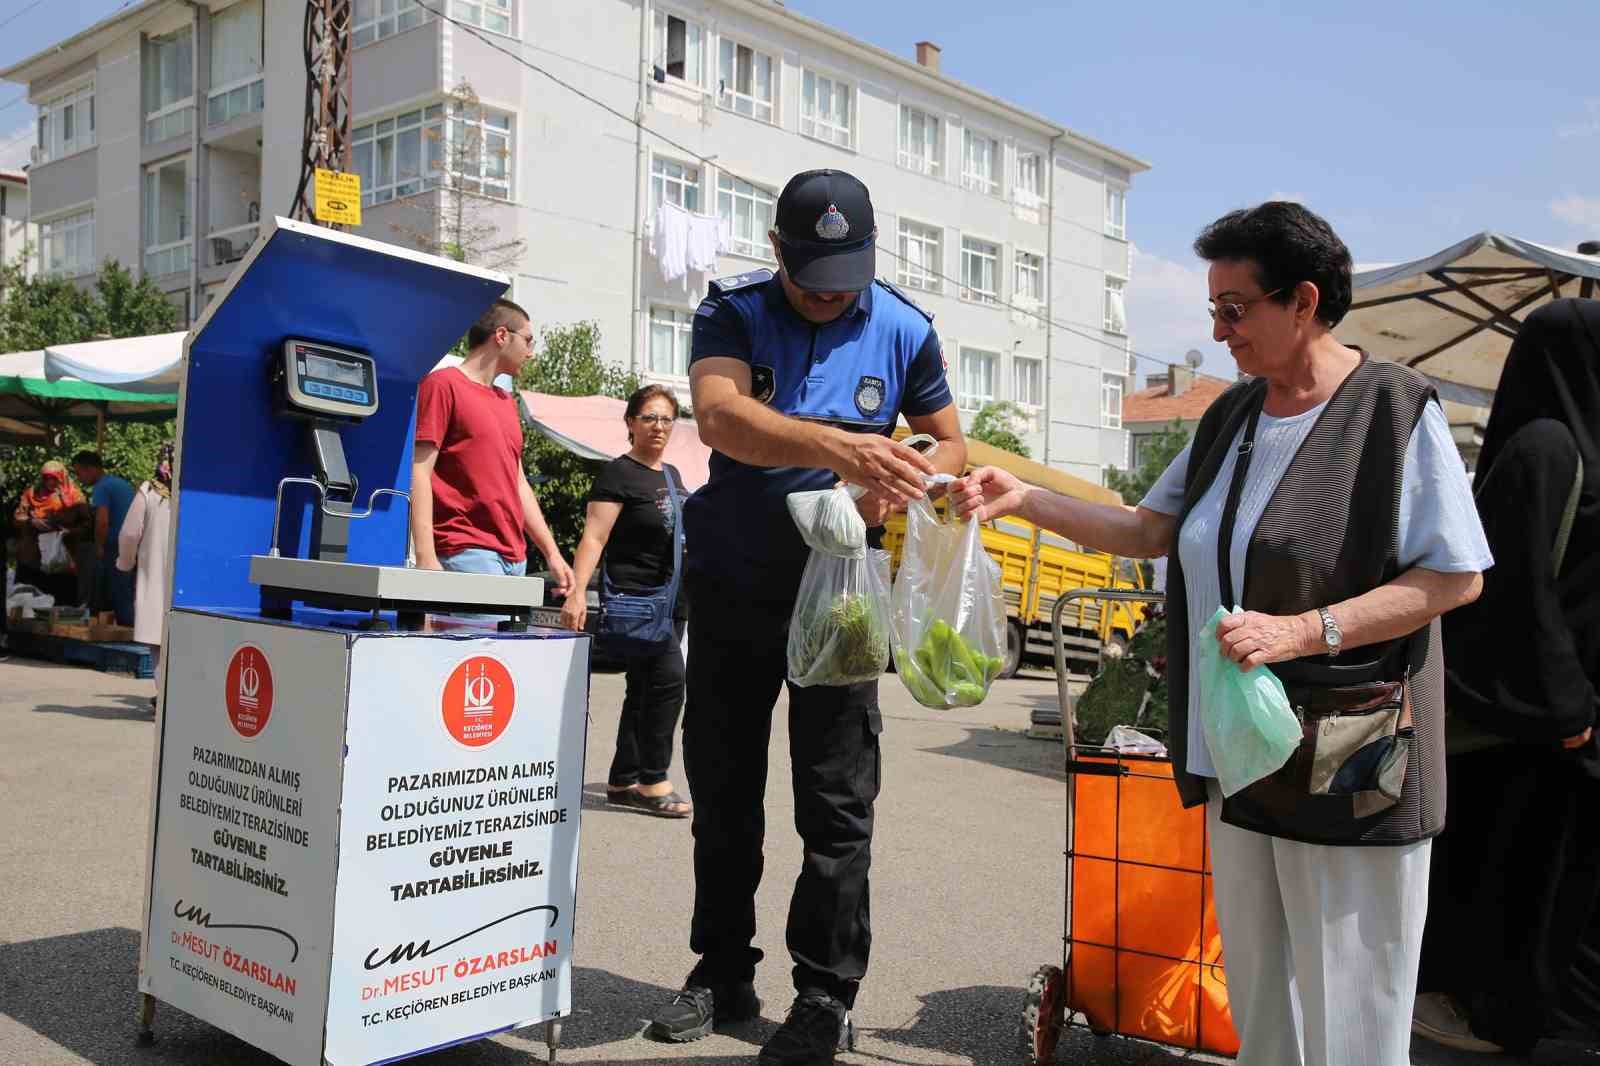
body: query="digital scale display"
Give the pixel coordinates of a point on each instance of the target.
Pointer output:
(320, 379)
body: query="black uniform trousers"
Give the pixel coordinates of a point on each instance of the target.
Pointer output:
(737, 663)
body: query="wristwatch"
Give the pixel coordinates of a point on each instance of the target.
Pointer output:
(1332, 635)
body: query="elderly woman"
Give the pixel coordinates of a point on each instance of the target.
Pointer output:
(1324, 496)
(1516, 876)
(54, 505)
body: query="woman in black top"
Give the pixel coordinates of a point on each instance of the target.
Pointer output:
(1512, 948)
(630, 520)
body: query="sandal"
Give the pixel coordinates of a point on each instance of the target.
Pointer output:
(659, 806)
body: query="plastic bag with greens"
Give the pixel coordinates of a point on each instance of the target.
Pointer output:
(949, 612)
(839, 631)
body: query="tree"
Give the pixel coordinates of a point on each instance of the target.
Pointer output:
(998, 424)
(1155, 456)
(467, 164)
(40, 311)
(569, 364)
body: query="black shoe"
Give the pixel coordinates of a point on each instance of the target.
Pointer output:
(698, 1008)
(818, 1027)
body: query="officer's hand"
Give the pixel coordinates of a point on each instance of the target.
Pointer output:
(988, 492)
(875, 510)
(883, 467)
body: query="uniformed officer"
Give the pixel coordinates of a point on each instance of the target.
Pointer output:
(798, 380)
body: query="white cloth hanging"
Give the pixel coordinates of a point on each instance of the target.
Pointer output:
(709, 237)
(669, 241)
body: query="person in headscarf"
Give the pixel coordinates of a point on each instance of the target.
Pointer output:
(51, 505)
(1516, 873)
(142, 548)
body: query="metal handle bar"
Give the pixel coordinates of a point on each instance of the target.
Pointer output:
(322, 502)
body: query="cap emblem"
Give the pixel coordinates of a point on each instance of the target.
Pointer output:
(832, 226)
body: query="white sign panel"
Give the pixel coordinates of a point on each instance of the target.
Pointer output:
(458, 846)
(242, 894)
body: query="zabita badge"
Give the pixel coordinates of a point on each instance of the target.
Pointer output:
(479, 698)
(248, 690)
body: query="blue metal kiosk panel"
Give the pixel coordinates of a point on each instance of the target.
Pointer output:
(402, 308)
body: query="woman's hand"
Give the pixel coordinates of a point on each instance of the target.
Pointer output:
(1252, 638)
(575, 611)
(988, 492)
(1578, 741)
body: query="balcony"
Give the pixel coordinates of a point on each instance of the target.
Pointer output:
(174, 120)
(226, 246)
(228, 102)
(169, 258)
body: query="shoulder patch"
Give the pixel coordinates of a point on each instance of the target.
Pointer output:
(905, 299)
(735, 282)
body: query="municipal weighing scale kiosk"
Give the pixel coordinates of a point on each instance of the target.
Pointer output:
(364, 830)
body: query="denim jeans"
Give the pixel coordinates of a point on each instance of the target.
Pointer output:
(483, 561)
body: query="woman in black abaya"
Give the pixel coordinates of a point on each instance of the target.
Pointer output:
(1516, 873)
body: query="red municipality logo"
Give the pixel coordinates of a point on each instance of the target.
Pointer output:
(479, 698)
(249, 691)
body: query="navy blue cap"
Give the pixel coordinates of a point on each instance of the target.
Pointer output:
(827, 232)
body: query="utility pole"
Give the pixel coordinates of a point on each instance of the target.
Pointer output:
(327, 121)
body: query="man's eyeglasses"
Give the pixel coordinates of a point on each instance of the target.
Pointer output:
(1233, 311)
(528, 336)
(656, 420)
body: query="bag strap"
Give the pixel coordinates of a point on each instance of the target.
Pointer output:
(677, 532)
(1568, 515)
(1230, 510)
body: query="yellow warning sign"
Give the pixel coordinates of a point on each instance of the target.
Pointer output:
(337, 198)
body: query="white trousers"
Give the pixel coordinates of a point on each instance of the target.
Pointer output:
(1320, 945)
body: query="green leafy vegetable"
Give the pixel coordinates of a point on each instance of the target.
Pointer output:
(845, 643)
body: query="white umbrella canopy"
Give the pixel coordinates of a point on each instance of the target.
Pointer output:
(133, 364)
(1453, 315)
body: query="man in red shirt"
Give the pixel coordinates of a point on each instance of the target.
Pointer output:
(470, 499)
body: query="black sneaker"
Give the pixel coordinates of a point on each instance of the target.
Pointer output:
(817, 1028)
(698, 1008)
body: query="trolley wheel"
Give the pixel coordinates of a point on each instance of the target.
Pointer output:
(1043, 1012)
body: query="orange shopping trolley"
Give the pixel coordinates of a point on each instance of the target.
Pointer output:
(1141, 955)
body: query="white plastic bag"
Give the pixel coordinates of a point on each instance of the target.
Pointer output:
(949, 612)
(839, 630)
(53, 555)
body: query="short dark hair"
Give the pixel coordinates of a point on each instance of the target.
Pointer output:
(500, 313)
(1288, 244)
(88, 458)
(644, 395)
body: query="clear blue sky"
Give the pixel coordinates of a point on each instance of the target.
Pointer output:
(1409, 124)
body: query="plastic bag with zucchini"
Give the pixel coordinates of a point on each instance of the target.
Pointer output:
(949, 612)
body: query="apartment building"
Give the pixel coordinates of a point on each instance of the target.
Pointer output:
(17, 234)
(170, 129)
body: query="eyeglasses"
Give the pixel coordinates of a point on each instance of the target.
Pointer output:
(1234, 311)
(657, 420)
(528, 336)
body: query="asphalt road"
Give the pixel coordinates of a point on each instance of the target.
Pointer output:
(967, 879)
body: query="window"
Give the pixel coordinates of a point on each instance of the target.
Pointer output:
(66, 124)
(1116, 212)
(1111, 401)
(1029, 190)
(980, 163)
(235, 63)
(1029, 283)
(388, 155)
(980, 279)
(168, 78)
(825, 109)
(679, 48)
(670, 334)
(376, 19)
(921, 141)
(166, 218)
(66, 245)
(977, 378)
(1116, 309)
(1027, 381)
(478, 155)
(674, 183)
(746, 80)
(749, 208)
(492, 15)
(921, 256)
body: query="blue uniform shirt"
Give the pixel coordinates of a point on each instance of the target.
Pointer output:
(859, 372)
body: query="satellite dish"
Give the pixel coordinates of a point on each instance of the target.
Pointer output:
(1194, 358)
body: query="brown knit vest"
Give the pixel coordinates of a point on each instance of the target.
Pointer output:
(1330, 532)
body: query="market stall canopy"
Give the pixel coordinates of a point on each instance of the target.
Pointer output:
(134, 364)
(591, 427)
(1453, 315)
(31, 404)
